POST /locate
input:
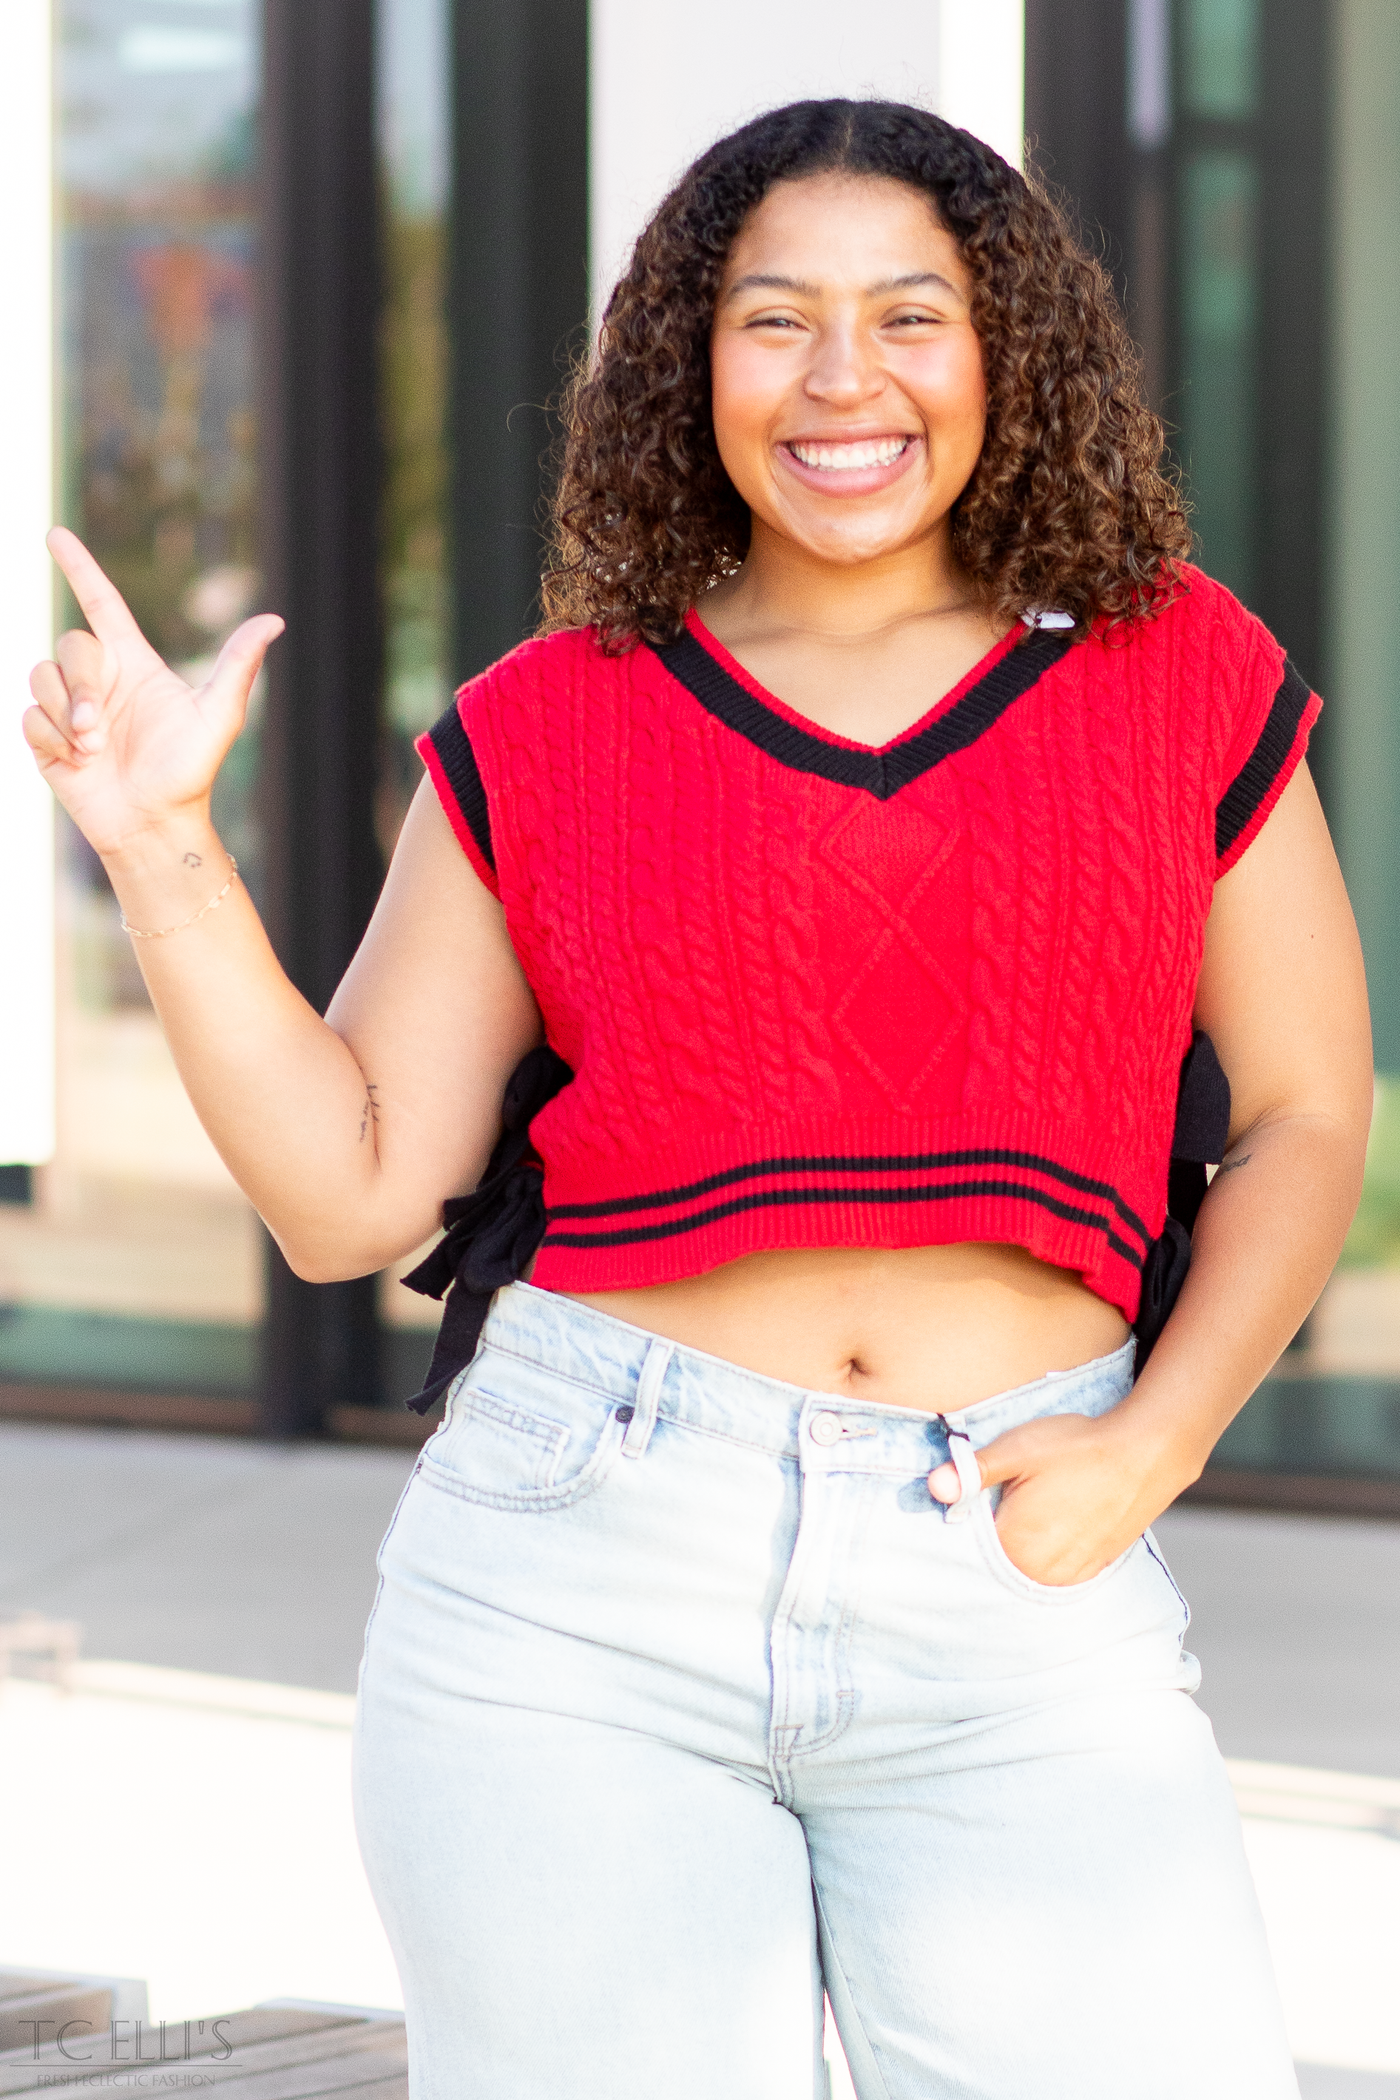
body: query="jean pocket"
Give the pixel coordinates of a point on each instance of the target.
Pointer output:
(999, 1561)
(520, 1437)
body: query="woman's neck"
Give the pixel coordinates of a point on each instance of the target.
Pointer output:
(783, 587)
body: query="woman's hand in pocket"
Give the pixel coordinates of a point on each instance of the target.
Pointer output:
(1076, 1492)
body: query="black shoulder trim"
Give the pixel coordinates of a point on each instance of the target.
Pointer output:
(458, 762)
(1261, 769)
(879, 773)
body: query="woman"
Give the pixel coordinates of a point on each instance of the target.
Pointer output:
(887, 803)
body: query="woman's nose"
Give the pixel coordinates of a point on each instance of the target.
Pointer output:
(844, 368)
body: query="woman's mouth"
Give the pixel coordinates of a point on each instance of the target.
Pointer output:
(849, 466)
(842, 459)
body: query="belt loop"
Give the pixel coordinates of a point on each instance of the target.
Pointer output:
(644, 1407)
(960, 1451)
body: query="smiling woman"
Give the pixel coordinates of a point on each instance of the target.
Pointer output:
(1086, 530)
(850, 410)
(853, 898)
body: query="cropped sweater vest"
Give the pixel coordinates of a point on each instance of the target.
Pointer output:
(818, 994)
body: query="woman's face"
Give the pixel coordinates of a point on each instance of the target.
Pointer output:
(848, 393)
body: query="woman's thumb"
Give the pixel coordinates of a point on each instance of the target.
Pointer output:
(986, 1468)
(240, 659)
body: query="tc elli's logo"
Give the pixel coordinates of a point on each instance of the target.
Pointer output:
(131, 2042)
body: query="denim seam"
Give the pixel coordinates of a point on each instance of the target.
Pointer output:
(667, 1415)
(543, 1504)
(547, 1370)
(1099, 1370)
(845, 1635)
(379, 1567)
(828, 1938)
(788, 1452)
(532, 1501)
(1151, 1545)
(784, 1452)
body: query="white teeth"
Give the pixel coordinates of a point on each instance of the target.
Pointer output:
(870, 452)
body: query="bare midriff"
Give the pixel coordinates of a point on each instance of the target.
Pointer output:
(927, 1327)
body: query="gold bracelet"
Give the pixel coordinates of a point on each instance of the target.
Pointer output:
(163, 933)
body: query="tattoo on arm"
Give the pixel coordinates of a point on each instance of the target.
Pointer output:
(370, 1112)
(194, 860)
(1228, 1166)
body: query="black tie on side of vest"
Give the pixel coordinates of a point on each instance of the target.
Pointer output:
(492, 1234)
(1199, 1139)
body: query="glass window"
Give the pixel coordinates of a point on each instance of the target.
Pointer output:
(414, 123)
(1364, 531)
(1220, 77)
(139, 1263)
(414, 118)
(1219, 314)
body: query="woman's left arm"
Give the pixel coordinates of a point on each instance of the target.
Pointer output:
(1282, 995)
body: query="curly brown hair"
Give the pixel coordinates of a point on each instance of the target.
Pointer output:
(1068, 507)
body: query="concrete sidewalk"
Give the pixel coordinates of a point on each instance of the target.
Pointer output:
(247, 1562)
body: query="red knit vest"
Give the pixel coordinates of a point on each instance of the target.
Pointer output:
(818, 994)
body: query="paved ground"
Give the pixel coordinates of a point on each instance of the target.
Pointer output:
(199, 1553)
(1297, 1624)
(256, 1563)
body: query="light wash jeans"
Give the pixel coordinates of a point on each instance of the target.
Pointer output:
(682, 1698)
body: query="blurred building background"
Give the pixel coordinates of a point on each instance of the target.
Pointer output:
(316, 269)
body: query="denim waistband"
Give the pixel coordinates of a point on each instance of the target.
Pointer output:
(576, 1342)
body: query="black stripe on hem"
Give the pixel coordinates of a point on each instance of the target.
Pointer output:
(458, 762)
(879, 773)
(770, 1199)
(1261, 769)
(877, 1163)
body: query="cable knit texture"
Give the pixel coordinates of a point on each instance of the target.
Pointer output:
(811, 1003)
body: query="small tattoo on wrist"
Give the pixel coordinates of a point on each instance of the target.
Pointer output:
(370, 1112)
(194, 860)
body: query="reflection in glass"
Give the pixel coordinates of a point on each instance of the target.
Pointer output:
(1346, 1426)
(1221, 57)
(414, 129)
(139, 1264)
(414, 162)
(1219, 317)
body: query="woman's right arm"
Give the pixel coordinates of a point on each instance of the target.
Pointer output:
(348, 1133)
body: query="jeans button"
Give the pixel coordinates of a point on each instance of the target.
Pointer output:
(826, 1429)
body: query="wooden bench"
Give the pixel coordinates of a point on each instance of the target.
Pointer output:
(269, 2052)
(50, 2001)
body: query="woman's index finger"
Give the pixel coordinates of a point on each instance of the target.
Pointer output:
(104, 607)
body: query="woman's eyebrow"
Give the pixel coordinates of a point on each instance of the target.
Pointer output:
(769, 281)
(762, 280)
(912, 277)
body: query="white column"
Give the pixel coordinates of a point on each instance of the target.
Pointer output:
(26, 580)
(666, 82)
(981, 71)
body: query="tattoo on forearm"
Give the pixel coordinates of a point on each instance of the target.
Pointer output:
(370, 1112)
(1228, 1166)
(194, 860)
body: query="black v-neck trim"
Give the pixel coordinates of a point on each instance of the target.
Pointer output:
(880, 773)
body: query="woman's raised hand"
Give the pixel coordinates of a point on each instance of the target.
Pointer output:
(121, 739)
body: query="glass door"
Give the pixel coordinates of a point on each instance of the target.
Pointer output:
(136, 1262)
